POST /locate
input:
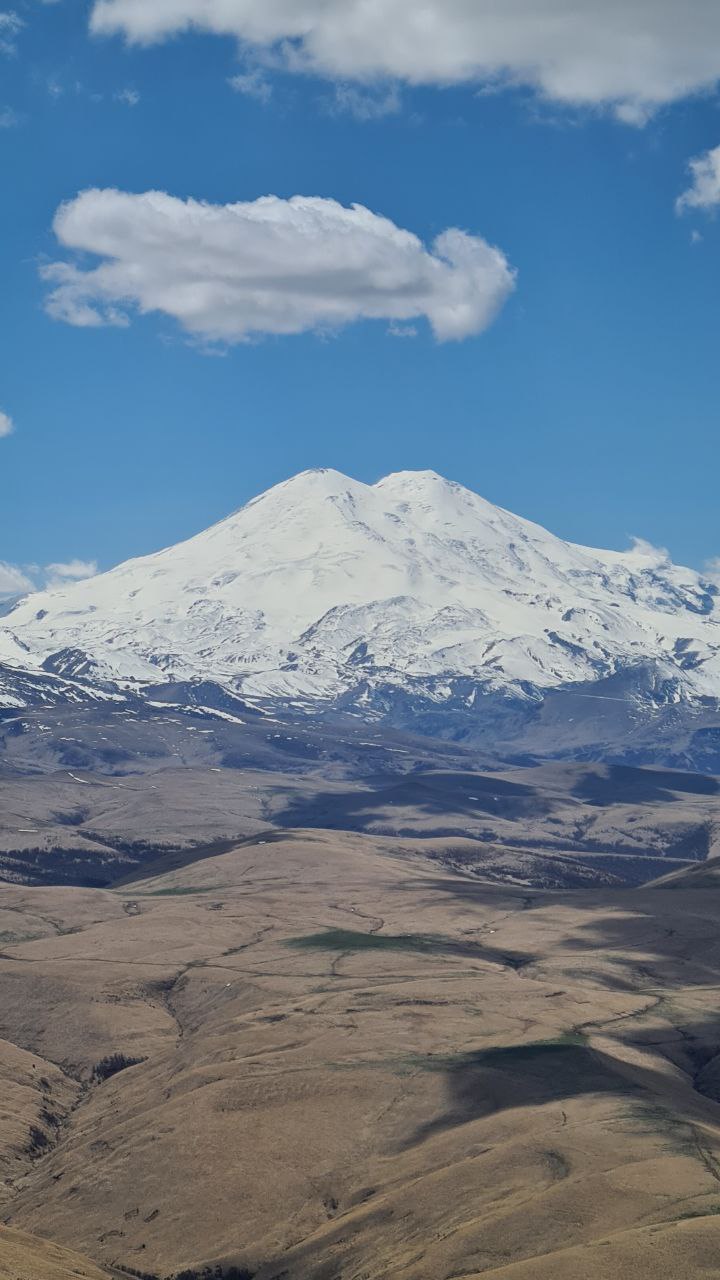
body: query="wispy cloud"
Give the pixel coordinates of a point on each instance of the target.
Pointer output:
(252, 84)
(364, 104)
(70, 571)
(14, 581)
(7, 426)
(19, 580)
(711, 569)
(649, 553)
(57, 88)
(704, 190)
(128, 97)
(10, 25)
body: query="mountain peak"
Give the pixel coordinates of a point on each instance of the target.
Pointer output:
(426, 484)
(325, 584)
(415, 478)
(319, 475)
(317, 478)
(315, 483)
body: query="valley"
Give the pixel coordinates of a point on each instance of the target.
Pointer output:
(555, 825)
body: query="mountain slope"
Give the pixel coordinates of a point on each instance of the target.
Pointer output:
(328, 590)
(24, 1257)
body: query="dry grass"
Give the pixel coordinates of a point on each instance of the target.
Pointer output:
(503, 1087)
(25, 1258)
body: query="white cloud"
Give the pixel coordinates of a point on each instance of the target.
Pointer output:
(13, 581)
(652, 556)
(10, 25)
(7, 426)
(229, 272)
(704, 189)
(253, 84)
(128, 97)
(365, 104)
(59, 575)
(629, 55)
(711, 569)
(18, 580)
(8, 118)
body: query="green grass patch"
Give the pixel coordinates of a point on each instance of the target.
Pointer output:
(180, 892)
(499, 1056)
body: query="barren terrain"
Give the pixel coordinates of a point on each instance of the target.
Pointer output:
(343, 1055)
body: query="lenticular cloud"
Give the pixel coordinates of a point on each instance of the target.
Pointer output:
(226, 273)
(631, 56)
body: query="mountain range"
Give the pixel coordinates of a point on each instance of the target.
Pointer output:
(413, 601)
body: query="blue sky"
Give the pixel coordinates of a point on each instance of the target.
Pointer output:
(589, 404)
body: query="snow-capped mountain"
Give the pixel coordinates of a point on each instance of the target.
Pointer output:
(326, 590)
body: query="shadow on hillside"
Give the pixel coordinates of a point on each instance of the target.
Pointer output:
(645, 939)
(531, 1075)
(622, 784)
(656, 940)
(433, 795)
(344, 941)
(502, 1079)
